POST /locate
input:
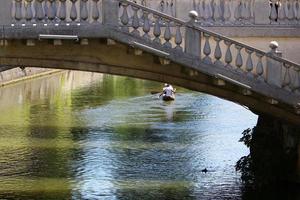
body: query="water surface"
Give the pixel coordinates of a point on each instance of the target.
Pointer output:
(82, 135)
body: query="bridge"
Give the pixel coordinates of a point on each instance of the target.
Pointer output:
(124, 38)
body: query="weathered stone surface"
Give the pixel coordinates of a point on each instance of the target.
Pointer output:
(275, 150)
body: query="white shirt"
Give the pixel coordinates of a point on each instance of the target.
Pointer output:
(168, 91)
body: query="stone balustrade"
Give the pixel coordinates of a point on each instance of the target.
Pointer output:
(56, 11)
(231, 12)
(285, 12)
(178, 35)
(211, 12)
(210, 47)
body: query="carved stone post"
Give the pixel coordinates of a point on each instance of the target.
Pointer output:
(262, 12)
(6, 12)
(192, 36)
(274, 68)
(110, 12)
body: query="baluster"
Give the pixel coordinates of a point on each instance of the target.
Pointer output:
(228, 55)
(296, 84)
(273, 14)
(286, 10)
(125, 18)
(290, 12)
(252, 12)
(260, 67)
(247, 16)
(237, 12)
(207, 12)
(29, 14)
(281, 12)
(173, 8)
(298, 12)
(13, 14)
(161, 6)
(294, 3)
(146, 27)
(73, 13)
(84, 13)
(144, 3)
(62, 11)
(169, 9)
(217, 11)
(239, 58)
(244, 12)
(166, 4)
(227, 12)
(207, 49)
(51, 10)
(157, 30)
(293, 8)
(95, 11)
(287, 77)
(39, 11)
(178, 39)
(135, 21)
(167, 35)
(249, 63)
(18, 12)
(201, 10)
(218, 52)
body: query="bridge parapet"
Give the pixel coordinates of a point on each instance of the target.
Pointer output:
(232, 12)
(56, 11)
(227, 63)
(211, 12)
(211, 48)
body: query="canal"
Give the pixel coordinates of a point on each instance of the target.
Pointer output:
(77, 135)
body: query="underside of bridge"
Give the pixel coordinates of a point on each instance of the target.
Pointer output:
(107, 56)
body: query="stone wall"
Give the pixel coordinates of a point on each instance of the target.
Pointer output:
(18, 74)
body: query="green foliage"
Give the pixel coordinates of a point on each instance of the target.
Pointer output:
(247, 137)
(245, 164)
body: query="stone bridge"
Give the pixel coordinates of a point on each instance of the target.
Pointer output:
(124, 38)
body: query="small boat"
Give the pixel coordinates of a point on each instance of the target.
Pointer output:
(168, 98)
(168, 93)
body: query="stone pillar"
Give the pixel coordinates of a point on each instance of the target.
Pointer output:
(262, 11)
(110, 10)
(192, 36)
(275, 151)
(274, 68)
(5, 12)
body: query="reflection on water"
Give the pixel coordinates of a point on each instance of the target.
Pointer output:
(82, 135)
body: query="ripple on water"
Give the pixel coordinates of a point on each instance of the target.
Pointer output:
(100, 142)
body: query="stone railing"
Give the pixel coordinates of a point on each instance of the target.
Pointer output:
(231, 12)
(285, 12)
(164, 30)
(56, 11)
(211, 12)
(211, 48)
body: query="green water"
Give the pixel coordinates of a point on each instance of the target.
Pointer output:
(80, 135)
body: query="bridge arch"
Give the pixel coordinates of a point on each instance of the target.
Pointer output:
(107, 56)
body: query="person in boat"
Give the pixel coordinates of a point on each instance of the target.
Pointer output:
(168, 92)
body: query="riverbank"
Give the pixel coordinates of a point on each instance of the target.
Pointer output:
(16, 75)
